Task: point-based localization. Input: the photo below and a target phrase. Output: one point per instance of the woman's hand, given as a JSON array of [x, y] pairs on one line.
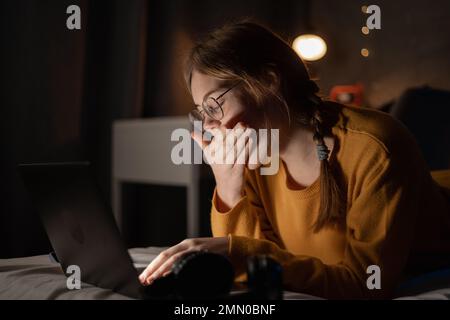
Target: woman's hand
[[163, 263], [229, 175]]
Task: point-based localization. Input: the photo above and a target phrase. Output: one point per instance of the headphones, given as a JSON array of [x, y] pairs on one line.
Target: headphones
[[205, 275]]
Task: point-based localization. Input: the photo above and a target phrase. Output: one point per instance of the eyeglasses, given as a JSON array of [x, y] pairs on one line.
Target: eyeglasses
[[211, 107]]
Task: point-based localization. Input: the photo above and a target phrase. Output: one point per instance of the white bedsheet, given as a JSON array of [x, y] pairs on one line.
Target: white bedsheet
[[38, 278]]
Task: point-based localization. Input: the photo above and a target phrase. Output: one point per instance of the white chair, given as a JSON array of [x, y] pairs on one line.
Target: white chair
[[141, 153]]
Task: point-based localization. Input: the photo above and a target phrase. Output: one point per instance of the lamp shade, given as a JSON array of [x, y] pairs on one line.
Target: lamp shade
[[310, 47]]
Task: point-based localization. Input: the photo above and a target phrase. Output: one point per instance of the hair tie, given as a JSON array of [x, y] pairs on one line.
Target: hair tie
[[322, 152]]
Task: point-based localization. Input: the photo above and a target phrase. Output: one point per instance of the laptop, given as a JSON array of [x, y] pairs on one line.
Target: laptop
[[80, 225]]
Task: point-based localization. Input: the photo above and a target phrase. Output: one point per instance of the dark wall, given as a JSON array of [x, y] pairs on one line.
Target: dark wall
[[42, 83], [60, 91], [175, 25], [411, 49]]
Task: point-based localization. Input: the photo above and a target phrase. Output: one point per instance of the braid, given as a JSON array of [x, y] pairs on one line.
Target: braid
[[322, 149], [330, 211]]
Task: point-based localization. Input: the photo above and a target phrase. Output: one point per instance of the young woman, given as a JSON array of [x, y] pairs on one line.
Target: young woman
[[352, 190]]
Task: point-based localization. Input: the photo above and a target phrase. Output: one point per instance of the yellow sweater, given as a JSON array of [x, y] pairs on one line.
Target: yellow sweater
[[397, 216]]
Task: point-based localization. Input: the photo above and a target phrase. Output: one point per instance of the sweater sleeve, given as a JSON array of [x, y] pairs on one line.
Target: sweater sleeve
[[247, 218], [379, 229]]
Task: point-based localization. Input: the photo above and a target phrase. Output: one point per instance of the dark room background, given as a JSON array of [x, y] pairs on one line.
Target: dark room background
[[62, 89]]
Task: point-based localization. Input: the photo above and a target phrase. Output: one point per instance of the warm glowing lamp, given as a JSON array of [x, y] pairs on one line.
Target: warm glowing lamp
[[310, 47]]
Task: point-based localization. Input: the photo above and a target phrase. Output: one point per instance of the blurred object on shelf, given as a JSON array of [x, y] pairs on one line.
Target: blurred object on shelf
[[348, 94]]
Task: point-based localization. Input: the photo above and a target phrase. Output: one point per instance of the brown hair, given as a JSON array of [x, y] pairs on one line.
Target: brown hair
[[250, 53]]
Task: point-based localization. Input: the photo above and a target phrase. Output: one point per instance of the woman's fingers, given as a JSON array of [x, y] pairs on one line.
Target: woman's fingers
[[198, 138], [244, 146], [166, 267], [166, 273], [226, 146], [146, 275], [162, 265], [231, 143], [254, 155], [215, 151]]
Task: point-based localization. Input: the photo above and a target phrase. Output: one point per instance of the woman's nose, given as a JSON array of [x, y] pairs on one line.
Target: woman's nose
[[210, 123]]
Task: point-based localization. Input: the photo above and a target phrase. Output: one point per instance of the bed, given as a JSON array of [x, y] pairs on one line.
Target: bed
[[38, 278]]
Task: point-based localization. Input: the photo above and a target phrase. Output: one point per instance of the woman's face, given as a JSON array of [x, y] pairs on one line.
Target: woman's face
[[234, 111]]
